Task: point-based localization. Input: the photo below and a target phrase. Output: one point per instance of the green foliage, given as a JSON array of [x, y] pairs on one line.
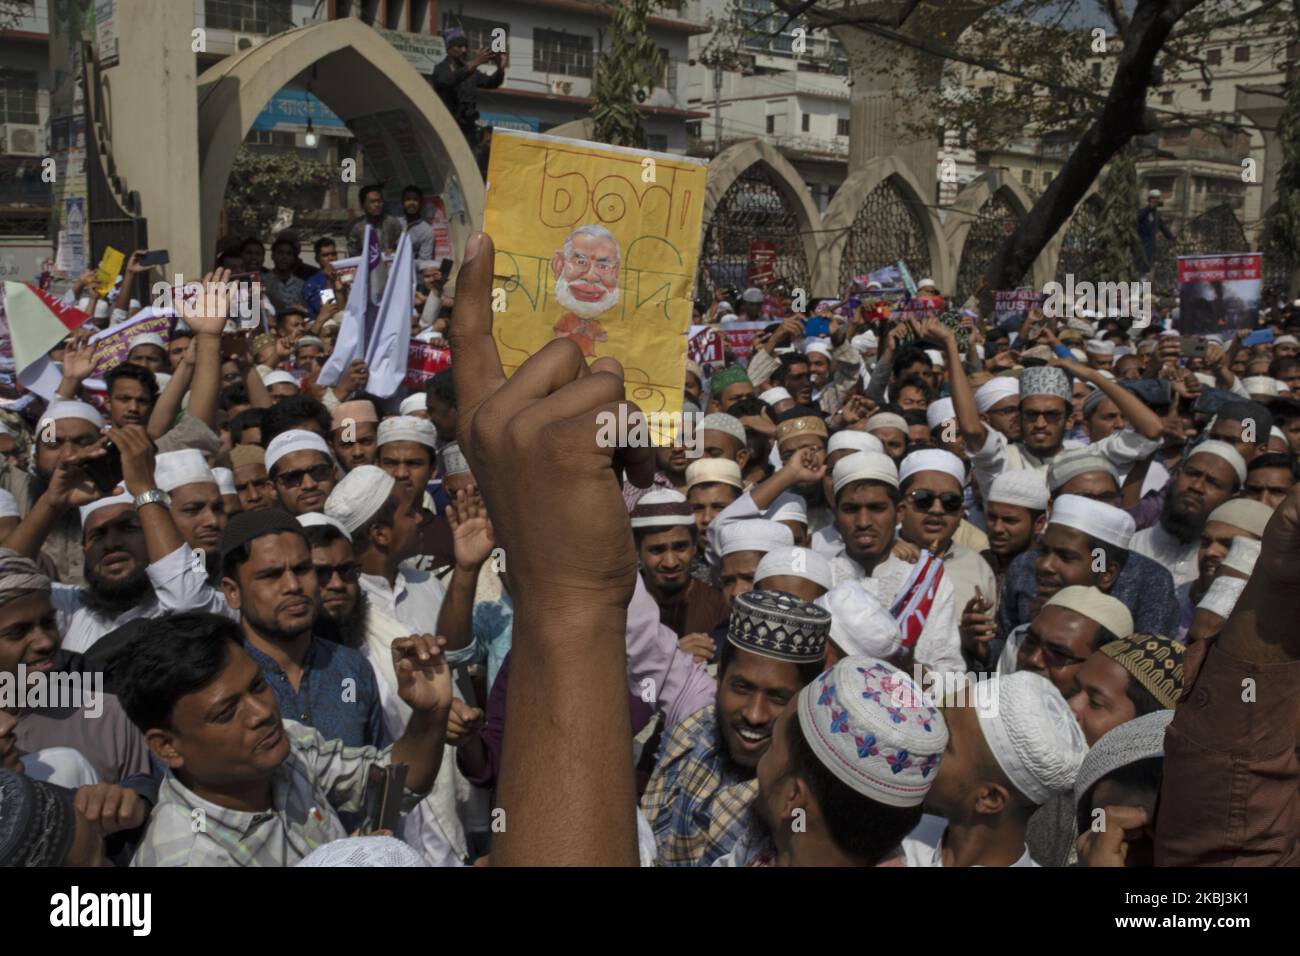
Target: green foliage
[[632, 64], [260, 183], [1117, 235], [1281, 239]]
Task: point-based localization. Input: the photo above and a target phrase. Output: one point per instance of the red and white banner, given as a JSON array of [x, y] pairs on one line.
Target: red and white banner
[[1221, 268], [912, 606]]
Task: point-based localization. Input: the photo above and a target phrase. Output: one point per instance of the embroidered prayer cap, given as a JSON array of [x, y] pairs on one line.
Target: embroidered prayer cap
[[1141, 738], [753, 534], [708, 470], [1222, 449], [780, 626], [1094, 518], [1095, 605], [19, 576], [887, 420], [308, 340], [248, 526], [725, 377], [294, 440], [1032, 733], [60, 409], [359, 496], [359, 412], [146, 338], [172, 469], [279, 377], [1020, 487], [788, 507], [871, 725], [855, 441], [314, 519], [242, 455], [1251, 516], [1045, 380], [1073, 462], [663, 508], [125, 498], [863, 466], [1095, 398], [794, 562], [722, 422], [407, 428], [452, 461], [859, 623], [37, 821], [369, 851], [995, 390], [414, 403], [802, 425], [225, 480], [774, 395], [932, 459], [1242, 555], [1260, 385], [939, 411], [1154, 661]]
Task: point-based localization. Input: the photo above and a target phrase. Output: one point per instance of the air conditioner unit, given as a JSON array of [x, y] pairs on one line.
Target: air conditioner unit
[[561, 87], [22, 139], [246, 41]]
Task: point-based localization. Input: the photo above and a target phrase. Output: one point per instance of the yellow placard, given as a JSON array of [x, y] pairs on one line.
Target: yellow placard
[[598, 244], [109, 267]]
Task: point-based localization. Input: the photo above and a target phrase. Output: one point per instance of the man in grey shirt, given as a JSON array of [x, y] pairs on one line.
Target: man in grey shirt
[[420, 231]]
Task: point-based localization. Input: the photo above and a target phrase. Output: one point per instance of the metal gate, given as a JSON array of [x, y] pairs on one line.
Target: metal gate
[[886, 229], [1081, 245], [752, 215], [994, 221], [1213, 231]]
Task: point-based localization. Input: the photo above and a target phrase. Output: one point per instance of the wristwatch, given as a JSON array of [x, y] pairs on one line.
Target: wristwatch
[[154, 496]]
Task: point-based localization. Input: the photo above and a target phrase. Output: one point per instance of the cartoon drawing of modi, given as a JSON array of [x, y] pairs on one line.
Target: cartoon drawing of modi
[[586, 284]]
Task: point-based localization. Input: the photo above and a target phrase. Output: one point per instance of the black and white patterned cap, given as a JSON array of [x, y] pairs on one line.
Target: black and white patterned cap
[[780, 626]]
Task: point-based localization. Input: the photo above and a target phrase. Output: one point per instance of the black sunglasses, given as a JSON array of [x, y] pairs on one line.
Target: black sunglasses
[[346, 572], [292, 479], [924, 500]]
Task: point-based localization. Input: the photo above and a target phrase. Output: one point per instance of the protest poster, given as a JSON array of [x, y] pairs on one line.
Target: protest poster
[[1012, 306], [704, 345], [114, 343], [762, 263], [110, 266], [1219, 292], [423, 361], [738, 338], [597, 244]]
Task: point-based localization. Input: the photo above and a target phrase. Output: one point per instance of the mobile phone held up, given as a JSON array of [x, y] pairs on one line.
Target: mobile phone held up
[[154, 257], [1195, 346], [105, 472]]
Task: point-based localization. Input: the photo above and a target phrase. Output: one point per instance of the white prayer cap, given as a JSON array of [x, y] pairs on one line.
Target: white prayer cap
[[1222, 594], [887, 420], [1111, 613], [940, 411], [1205, 379], [1155, 194], [1073, 462], [1260, 385], [994, 390], [359, 496], [1122, 350], [1286, 340], [101, 310], [866, 342], [774, 395], [296, 439], [1225, 451], [927, 283], [753, 534], [225, 480], [855, 440], [817, 345], [936, 357], [863, 466], [69, 409], [414, 403], [1032, 734], [162, 378], [172, 469], [383, 851], [314, 519], [278, 377], [932, 459], [407, 428], [722, 422], [1250, 516], [1171, 334], [788, 507], [1020, 487], [708, 470], [125, 498], [1095, 518], [859, 623], [724, 306], [146, 338], [751, 295], [1079, 355], [8, 505], [452, 461], [1099, 347], [795, 562]]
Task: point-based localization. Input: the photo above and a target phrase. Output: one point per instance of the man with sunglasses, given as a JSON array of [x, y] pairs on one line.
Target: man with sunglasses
[[1075, 622], [302, 470]]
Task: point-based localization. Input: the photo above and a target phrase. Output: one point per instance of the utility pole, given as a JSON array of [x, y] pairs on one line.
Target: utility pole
[[717, 106]]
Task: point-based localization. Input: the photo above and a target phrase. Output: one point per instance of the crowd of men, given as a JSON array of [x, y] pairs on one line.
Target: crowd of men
[[915, 591]]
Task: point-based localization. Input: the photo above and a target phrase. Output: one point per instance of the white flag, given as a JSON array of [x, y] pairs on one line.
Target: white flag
[[351, 341], [390, 342]]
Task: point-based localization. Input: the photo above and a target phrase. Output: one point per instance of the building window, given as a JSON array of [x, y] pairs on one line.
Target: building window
[[1027, 177], [657, 141], [1166, 98], [1205, 95], [1241, 54], [556, 52], [1047, 177], [668, 76], [247, 16], [478, 31], [771, 123], [841, 127], [18, 96], [271, 137], [806, 123], [1213, 57]]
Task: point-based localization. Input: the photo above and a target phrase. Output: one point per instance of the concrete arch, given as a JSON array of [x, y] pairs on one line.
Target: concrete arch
[[584, 128], [963, 212], [727, 167], [843, 211], [358, 74]]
